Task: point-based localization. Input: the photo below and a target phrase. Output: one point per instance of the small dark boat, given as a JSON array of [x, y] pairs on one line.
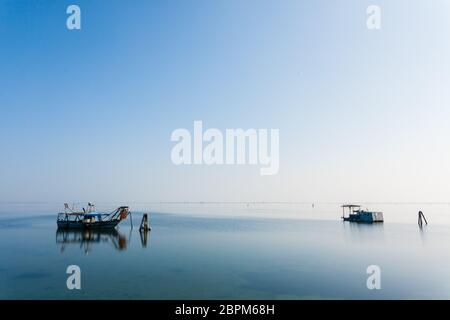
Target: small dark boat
[[90, 218], [355, 214]]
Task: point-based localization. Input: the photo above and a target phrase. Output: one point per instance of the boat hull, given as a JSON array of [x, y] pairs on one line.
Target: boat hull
[[87, 225], [361, 221], [365, 217]]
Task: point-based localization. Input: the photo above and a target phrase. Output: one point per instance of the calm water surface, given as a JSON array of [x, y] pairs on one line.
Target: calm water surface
[[219, 256]]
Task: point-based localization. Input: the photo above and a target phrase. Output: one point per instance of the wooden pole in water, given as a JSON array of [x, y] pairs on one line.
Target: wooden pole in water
[[131, 220], [144, 223], [422, 216]]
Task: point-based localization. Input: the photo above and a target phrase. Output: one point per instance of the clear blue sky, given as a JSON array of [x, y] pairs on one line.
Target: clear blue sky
[[87, 114]]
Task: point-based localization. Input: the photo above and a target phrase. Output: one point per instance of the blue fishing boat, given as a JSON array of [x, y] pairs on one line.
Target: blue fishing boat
[[89, 218]]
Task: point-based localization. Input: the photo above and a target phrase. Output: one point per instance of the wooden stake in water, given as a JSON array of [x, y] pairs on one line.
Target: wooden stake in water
[[144, 223], [420, 218]]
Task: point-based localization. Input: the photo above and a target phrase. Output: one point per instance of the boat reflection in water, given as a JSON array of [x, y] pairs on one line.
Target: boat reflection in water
[[88, 238]]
